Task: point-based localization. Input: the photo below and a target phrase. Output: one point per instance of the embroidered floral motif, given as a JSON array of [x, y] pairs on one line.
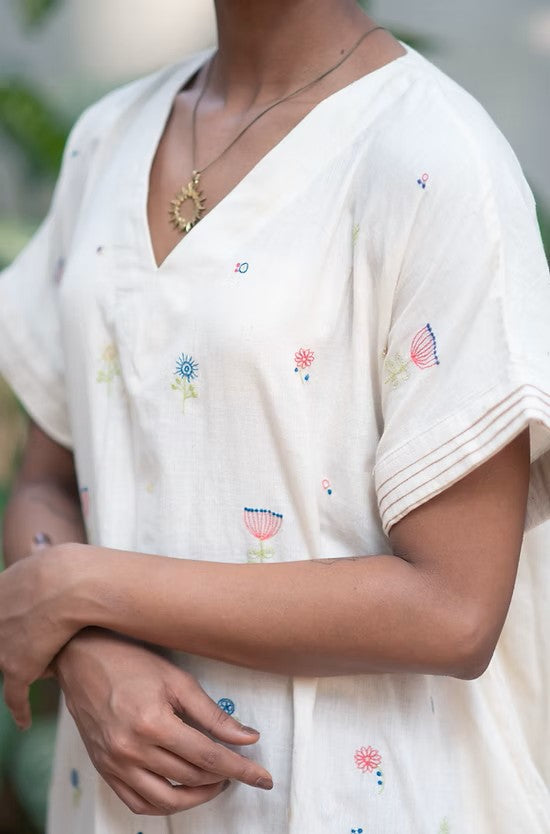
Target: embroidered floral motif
[[241, 267], [423, 180], [444, 827], [186, 370], [368, 759], [396, 370], [85, 501], [423, 353], [263, 524], [227, 705], [303, 358], [424, 348], [355, 233], [325, 483], [110, 367], [75, 782]]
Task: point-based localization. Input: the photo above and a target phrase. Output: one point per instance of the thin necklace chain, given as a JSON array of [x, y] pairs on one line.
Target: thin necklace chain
[[271, 106], [192, 191]]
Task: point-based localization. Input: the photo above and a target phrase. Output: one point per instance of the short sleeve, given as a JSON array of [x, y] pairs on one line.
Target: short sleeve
[[466, 364], [31, 351]]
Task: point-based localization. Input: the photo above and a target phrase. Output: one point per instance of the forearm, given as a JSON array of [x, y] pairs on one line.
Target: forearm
[[319, 617], [40, 506]]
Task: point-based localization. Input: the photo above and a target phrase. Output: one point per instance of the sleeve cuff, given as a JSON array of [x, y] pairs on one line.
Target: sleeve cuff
[[427, 464]]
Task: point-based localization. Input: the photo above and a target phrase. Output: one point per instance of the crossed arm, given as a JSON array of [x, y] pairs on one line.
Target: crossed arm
[[436, 605]]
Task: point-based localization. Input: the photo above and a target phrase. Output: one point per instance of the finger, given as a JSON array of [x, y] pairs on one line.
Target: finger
[[170, 799], [136, 803], [193, 746], [196, 704], [16, 696], [165, 764]]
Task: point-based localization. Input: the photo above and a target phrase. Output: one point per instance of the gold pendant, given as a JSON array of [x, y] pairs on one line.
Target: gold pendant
[[190, 192]]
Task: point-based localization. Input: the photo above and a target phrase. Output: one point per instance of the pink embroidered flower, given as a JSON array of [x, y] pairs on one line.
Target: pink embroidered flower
[[304, 357], [423, 350], [263, 524], [367, 759], [85, 501]]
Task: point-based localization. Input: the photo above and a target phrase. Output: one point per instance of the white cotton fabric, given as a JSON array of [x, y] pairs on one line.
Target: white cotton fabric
[[362, 321]]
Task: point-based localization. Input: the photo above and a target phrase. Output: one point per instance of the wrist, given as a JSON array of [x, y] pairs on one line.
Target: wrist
[[74, 650], [75, 570]]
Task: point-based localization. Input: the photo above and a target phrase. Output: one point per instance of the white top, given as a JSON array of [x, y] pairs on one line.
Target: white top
[[354, 327]]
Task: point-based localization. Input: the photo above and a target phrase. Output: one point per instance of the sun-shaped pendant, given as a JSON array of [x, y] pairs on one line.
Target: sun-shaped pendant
[[190, 192]]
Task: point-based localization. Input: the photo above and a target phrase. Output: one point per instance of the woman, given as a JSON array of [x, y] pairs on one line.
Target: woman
[[315, 373]]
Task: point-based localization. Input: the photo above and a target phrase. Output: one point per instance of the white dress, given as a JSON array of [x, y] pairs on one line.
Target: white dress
[[357, 325]]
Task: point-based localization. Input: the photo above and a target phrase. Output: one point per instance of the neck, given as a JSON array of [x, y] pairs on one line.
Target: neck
[[267, 47]]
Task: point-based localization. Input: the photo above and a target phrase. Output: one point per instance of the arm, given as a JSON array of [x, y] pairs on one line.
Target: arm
[[436, 606], [44, 498], [126, 701]]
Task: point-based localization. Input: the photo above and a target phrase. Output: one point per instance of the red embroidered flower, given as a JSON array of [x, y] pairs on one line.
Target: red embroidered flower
[[367, 758], [304, 357]]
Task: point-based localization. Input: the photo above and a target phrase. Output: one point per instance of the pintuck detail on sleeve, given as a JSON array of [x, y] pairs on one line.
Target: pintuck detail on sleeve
[[467, 365]]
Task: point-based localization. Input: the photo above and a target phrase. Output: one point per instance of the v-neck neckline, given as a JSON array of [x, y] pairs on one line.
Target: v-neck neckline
[[183, 73]]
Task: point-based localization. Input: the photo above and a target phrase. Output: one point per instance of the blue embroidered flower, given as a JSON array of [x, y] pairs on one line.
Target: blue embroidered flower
[[186, 367], [227, 705], [186, 370]]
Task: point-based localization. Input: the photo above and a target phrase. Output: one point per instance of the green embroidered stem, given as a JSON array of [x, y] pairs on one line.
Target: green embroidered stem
[[184, 396], [260, 554], [108, 373], [186, 389]]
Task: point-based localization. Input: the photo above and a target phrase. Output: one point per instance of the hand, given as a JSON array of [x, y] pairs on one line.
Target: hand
[[125, 701], [33, 622]]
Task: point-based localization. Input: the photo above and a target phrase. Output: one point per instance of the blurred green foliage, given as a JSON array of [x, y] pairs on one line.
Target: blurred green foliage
[[31, 123], [33, 12]]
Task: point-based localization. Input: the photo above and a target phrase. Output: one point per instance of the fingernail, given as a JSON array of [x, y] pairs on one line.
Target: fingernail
[[264, 783], [250, 730], [225, 785], [41, 538]]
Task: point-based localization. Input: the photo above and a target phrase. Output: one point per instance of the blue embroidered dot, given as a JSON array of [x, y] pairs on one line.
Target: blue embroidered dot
[[74, 778], [329, 491], [378, 773], [379, 782], [259, 510], [227, 705]]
